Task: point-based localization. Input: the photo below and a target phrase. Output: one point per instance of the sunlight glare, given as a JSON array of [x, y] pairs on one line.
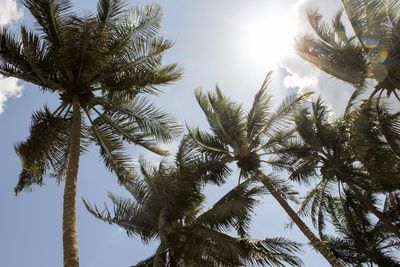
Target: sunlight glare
[[265, 39]]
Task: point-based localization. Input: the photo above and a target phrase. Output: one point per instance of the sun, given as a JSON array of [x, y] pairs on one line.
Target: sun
[[267, 37]]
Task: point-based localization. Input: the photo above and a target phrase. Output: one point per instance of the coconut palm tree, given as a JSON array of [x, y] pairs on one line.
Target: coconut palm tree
[[97, 64], [361, 241], [375, 139], [368, 50], [324, 150], [168, 204], [248, 139]]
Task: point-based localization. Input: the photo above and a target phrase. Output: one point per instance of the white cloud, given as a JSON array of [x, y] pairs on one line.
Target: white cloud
[[9, 87], [9, 11], [304, 84]]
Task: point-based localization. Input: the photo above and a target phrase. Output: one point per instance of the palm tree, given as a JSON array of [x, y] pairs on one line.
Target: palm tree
[[168, 204], [97, 64], [375, 139], [248, 138], [360, 240], [369, 50], [325, 150]]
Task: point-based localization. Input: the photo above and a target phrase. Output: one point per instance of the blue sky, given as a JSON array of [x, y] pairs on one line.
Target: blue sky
[[224, 42]]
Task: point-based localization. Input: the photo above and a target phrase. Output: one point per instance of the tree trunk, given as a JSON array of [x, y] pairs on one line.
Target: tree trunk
[[70, 239], [315, 241], [368, 205]]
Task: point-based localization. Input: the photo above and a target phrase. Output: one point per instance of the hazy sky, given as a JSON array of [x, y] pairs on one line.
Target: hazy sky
[[231, 43]]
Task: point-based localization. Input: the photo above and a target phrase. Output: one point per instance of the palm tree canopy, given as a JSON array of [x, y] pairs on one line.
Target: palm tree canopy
[[375, 139], [244, 137], [354, 144], [360, 240], [105, 59], [342, 152], [168, 204], [370, 49]]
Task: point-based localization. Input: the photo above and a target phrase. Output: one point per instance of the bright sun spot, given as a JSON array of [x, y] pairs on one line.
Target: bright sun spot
[[265, 39]]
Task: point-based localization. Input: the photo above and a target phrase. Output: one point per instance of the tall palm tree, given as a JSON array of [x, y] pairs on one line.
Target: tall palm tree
[[248, 138], [97, 64], [168, 204], [369, 50], [361, 240], [324, 150]]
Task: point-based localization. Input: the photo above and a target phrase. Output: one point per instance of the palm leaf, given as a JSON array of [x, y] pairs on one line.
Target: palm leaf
[[42, 149]]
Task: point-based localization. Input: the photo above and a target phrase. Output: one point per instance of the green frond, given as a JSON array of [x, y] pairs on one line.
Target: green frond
[[345, 63], [50, 16], [322, 29], [281, 118], [281, 186], [143, 53], [39, 60], [191, 161], [223, 250], [369, 20], [229, 121], [13, 59], [234, 209], [145, 20], [339, 28], [297, 158], [217, 247], [150, 120], [208, 143], [127, 215], [375, 140], [359, 239], [111, 149], [110, 9], [273, 252], [275, 141], [42, 149], [226, 118], [312, 203], [260, 108]]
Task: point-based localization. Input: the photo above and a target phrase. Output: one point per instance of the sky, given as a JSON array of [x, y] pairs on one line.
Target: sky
[[231, 43]]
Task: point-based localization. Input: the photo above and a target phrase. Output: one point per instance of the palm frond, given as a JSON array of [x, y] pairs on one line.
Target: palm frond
[[273, 252], [127, 215], [51, 17], [111, 150], [260, 108], [149, 119], [208, 142], [42, 149], [281, 118], [190, 161], [234, 209], [226, 118], [109, 9]]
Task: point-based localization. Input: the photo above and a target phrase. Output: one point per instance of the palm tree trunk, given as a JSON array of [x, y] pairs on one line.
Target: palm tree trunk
[[368, 205], [70, 240], [315, 241]]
